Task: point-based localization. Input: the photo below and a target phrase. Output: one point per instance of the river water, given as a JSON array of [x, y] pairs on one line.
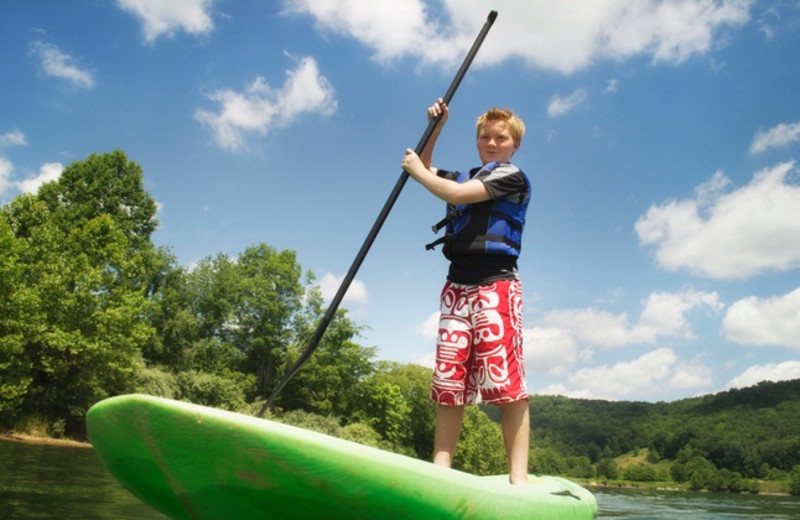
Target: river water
[[66, 483]]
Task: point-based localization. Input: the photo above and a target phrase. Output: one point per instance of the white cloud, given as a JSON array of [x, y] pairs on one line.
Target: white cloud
[[627, 379], [567, 338], [663, 315], [391, 30], [770, 372], [259, 108], [550, 350], [48, 172], [767, 21], [693, 374], [61, 65], [591, 326], [780, 136], [15, 138], [428, 360], [330, 283], [550, 35], [166, 18], [611, 86], [560, 389], [647, 376], [5, 174], [430, 327], [559, 106], [751, 230], [765, 322]]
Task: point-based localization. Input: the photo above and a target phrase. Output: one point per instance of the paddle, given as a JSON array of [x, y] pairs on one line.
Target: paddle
[[376, 227]]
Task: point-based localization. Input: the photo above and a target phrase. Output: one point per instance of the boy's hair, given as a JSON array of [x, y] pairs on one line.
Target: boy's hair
[[515, 125]]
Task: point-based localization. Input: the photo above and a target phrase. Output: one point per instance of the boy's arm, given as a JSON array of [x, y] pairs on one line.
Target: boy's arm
[[450, 191], [440, 107], [419, 167]]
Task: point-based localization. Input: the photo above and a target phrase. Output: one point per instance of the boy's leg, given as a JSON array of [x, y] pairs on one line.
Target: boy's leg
[[448, 429], [515, 423]]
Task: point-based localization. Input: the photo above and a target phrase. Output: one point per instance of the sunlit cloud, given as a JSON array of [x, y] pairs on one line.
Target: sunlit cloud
[[14, 138], [729, 235], [762, 322], [6, 167], [160, 18], [48, 172], [329, 285], [663, 315], [780, 136], [548, 35], [59, 64], [559, 105], [259, 107], [785, 371]]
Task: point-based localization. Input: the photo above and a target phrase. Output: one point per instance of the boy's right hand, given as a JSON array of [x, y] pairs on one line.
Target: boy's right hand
[[440, 107]]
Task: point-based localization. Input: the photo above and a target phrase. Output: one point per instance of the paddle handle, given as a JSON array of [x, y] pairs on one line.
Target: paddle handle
[[376, 227]]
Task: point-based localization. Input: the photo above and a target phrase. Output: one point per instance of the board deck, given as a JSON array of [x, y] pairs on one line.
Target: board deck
[[194, 462]]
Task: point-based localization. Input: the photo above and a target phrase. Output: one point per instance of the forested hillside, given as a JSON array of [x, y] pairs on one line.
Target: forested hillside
[[724, 441], [741, 430]]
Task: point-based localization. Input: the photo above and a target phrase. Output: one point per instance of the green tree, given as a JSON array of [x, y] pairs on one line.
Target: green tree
[[580, 467], [547, 461], [607, 468], [731, 481], [268, 297], [213, 297], [386, 410], [640, 472], [82, 261], [329, 381], [652, 455], [480, 449], [17, 304], [395, 400], [217, 390], [175, 318], [679, 472], [794, 480], [703, 474], [107, 184], [85, 329]]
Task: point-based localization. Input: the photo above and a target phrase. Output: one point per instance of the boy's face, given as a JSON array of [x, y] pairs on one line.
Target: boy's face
[[495, 142]]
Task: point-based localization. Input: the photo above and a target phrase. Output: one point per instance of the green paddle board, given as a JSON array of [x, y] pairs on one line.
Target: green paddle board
[[191, 461]]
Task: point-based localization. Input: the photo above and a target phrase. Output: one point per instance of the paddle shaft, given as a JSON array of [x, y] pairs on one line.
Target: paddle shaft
[[376, 227]]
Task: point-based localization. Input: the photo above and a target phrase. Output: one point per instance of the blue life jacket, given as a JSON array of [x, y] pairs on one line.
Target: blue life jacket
[[490, 227]]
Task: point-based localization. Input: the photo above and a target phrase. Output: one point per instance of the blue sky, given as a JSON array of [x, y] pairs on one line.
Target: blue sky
[[662, 251]]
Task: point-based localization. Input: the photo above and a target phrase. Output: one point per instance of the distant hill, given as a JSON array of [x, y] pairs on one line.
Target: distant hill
[[745, 430]]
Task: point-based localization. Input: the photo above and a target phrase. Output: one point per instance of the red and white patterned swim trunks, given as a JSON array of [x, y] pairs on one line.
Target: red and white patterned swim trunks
[[479, 347]]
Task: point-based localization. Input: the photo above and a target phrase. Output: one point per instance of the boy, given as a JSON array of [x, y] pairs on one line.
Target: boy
[[479, 347]]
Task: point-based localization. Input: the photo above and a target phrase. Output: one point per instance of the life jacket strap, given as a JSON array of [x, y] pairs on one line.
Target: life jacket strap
[[498, 238], [435, 243], [488, 237], [452, 216]]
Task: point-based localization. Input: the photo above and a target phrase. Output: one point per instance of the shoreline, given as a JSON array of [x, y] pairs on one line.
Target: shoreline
[[629, 485], [47, 441]]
